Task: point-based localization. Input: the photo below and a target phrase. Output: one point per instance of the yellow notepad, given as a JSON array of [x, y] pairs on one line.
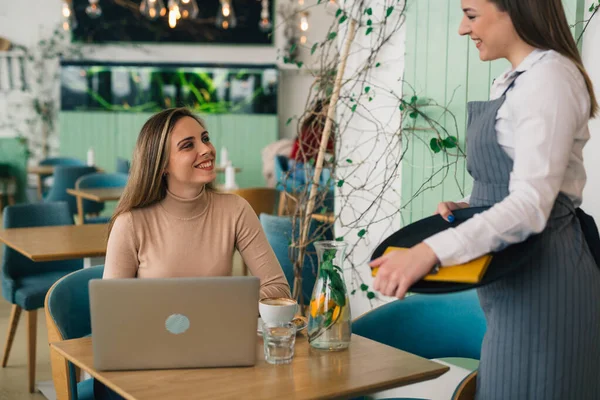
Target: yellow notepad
[[470, 272]]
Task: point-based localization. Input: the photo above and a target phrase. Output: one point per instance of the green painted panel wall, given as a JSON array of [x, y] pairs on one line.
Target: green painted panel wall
[[444, 67], [114, 135], [14, 153]]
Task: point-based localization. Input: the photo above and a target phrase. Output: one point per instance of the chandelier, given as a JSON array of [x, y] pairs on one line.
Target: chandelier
[[174, 11]]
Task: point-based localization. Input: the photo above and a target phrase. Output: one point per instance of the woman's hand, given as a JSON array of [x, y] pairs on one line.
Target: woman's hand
[[445, 209], [400, 269]]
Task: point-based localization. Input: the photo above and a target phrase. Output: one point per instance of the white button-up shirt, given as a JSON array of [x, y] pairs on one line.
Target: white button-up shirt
[[542, 126]]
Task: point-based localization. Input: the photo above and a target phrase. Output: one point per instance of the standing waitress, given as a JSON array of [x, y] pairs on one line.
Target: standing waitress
[[525, 155]]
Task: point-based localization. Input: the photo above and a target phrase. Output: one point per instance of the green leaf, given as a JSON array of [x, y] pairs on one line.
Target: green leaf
[[592, 8], [311, 162], [286, 60], [413, 99], [450, 142], [364, 287], [288, 121], [336, 281], [323, 210], [339, 239], [349, 161], [434, 144], [352, 292], [293, 48], [370, 99], [389, 11], [338, 12], [299, 64], [369, 22], [377, 65], [369, 30], [313, 48], [369, 11], [362, 232], [370, 295], [332, 35], [340, 183], [343, 19], [413, 115], [367, 89], [339, 297], [354, 108], [401, 107]]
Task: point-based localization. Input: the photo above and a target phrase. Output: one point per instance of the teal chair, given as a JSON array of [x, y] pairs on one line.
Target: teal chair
[[54, 161], [123, 166], [65, 178], [67, 309], [279, 235], [25, 282], [431, 326], [96, 181]]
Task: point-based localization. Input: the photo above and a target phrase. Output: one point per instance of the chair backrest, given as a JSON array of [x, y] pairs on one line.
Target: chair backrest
[[99, 180], [262, 200], [66, 161], [65, 178], [430, 326], [279, 234], [281, 171], [67, 309], [16, 266], [123, 165]]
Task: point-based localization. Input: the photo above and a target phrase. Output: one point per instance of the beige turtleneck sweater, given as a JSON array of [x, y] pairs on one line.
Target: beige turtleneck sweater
[[184, 238]]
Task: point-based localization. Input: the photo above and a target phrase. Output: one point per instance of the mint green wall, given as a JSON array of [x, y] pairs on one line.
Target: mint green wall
[[14, 153], [444, 66], [114, 135]]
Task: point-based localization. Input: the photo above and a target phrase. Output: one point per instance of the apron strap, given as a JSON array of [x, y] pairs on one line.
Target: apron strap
[[512, 83]]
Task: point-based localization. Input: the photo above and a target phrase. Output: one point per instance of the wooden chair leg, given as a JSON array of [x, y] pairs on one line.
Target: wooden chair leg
[[15, 313], [282, 205], [31, 342]]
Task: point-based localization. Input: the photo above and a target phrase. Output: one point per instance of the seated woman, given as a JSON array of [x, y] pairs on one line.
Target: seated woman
[[171, 222], [306, 146]]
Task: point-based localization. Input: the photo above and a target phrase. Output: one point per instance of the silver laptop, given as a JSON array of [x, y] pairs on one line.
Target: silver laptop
[[174, 322]]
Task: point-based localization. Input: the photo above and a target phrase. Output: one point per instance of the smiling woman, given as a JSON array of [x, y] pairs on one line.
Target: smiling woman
[[171, 223]]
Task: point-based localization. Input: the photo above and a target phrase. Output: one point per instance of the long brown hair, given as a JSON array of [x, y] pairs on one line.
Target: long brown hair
[[543, 24], [147, 184]]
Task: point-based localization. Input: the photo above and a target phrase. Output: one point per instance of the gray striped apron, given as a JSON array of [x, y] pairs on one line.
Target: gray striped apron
[[543, 321]]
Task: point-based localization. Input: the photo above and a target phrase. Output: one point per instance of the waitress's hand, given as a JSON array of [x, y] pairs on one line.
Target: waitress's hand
[[400, 269], [445, 209]]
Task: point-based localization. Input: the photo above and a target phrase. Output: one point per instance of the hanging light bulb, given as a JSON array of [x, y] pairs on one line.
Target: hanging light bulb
[[300, 2], [93, 10], [188, 8], [174, 13], [304, 22], [303, 39], [265, 24], [152, 9], [68, 17], [226, 18]]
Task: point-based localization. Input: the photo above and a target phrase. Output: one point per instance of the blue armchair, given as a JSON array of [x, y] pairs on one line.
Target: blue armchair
[[99, 180], [430, 326], [65, 178], [123, 165], [54, 161], [25, 282], [279, 234], [67, 309]]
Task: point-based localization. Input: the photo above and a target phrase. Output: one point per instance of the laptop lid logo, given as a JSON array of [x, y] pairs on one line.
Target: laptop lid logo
[[177, 323]]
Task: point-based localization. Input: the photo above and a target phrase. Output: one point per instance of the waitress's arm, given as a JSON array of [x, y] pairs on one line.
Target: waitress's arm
[[551, 107]]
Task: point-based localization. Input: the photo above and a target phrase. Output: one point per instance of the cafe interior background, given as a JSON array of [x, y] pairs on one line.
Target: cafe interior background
[[82, 77]]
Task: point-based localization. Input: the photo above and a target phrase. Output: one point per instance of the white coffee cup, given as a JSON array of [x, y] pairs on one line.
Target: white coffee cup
[[277, 310]]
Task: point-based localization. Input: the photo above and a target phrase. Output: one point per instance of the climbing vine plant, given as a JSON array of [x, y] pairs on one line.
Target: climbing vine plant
[[377, 159]]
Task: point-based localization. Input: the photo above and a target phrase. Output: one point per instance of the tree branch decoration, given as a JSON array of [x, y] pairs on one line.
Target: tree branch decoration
[[350, 95]]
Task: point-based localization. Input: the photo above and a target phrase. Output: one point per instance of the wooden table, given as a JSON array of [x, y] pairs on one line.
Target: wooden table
[[98, 194], [51, 243], [364, 368]]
